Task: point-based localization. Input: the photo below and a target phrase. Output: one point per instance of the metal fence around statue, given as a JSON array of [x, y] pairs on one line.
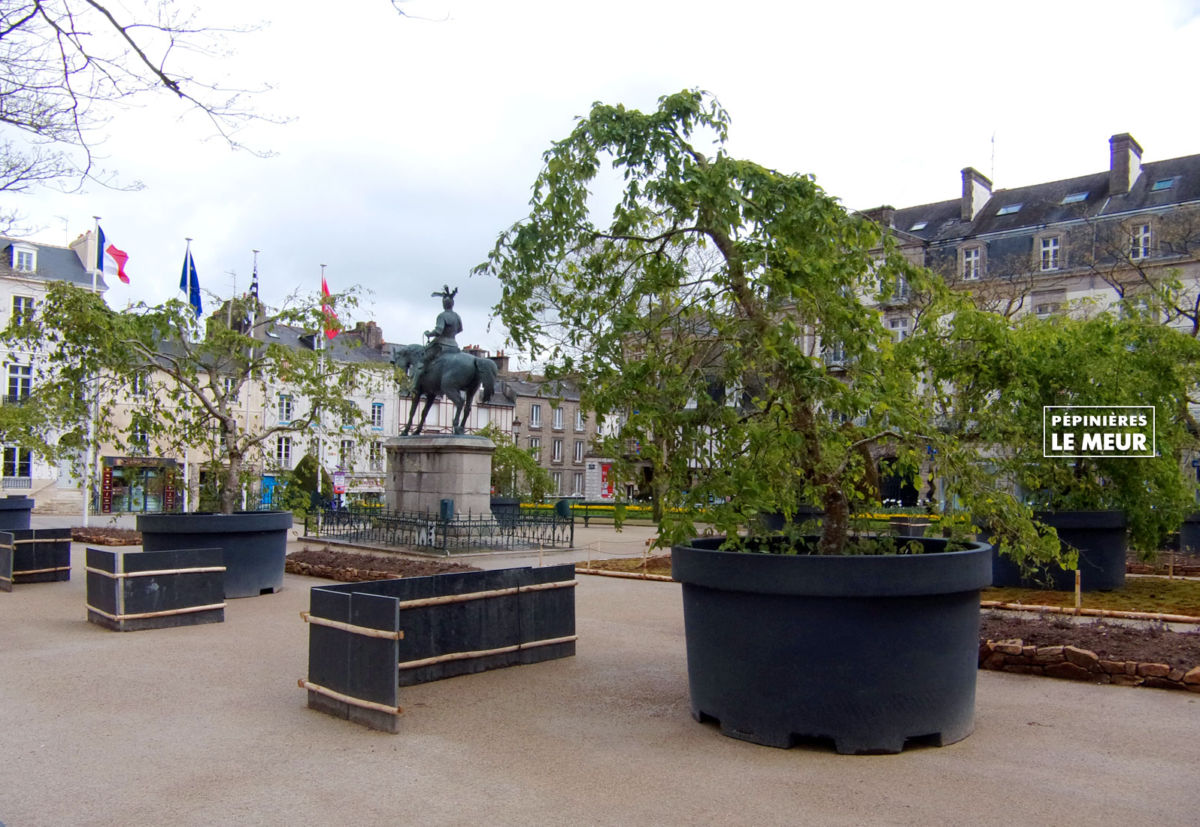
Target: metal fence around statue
[[430, 533]]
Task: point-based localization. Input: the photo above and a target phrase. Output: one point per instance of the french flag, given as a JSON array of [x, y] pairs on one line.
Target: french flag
[[109, 259]]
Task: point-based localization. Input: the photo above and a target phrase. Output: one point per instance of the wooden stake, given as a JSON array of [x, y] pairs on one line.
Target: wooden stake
[[121, 575], [1078, 591]]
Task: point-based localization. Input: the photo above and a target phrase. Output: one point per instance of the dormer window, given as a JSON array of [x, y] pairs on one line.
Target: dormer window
[[24, 257], [1162, 184], [1009, 209], [920, 225]]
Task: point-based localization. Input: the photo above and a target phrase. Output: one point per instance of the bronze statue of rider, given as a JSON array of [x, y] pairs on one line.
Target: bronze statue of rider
[[442, 337]]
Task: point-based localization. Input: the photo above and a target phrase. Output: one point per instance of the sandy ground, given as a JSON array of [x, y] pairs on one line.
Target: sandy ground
[[205, 725]]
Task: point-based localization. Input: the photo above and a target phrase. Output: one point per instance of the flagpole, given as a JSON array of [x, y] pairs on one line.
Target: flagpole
[[91, 409]]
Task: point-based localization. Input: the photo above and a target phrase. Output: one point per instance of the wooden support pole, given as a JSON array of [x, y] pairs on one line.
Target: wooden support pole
[[41, 571], [121, 575], [1078, 590], [164, 613], [365, 631], [502, 650], [347, 699]]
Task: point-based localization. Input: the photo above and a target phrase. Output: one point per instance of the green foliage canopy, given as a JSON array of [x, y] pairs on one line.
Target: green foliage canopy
[[706, 309]]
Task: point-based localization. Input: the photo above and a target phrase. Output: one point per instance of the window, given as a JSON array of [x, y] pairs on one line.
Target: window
[[377, 415], [1074, 198], [139, 442], [20, 382], [1162, 184], [535, 416], [556, 450], [920, 225], [558, 419], [1139, 242], [285, 408], [346, 453], [283, 451], [971, 260], [899, 328], [535, 448], [1009, 209], [140, 385], [579, 450], [579, 420], [375, 456], [22, 309], [835, 355], [24, 258], [577, 484], [231, 388], [18, 462], [556, 480], [1050, 248], [1049, 302]]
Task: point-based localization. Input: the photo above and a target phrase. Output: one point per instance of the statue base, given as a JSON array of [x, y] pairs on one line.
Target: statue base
[[425, 469]]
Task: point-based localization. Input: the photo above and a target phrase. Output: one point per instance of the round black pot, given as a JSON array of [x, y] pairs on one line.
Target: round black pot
[[1099, 536], [14, 512], [1189, 534], [869, 651], [254, 544]]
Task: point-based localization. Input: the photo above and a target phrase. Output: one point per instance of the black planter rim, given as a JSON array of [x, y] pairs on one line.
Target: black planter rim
[[886, 575], [16, 502], [1098, 519], [214, 522]]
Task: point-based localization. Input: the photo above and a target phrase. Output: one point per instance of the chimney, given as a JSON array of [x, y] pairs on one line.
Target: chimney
[[1125, 165], [883, 216], [370, 333], [976, 190], [501, 362]]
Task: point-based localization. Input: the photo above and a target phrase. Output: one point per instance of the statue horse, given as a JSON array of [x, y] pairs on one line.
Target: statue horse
[[456, 375]]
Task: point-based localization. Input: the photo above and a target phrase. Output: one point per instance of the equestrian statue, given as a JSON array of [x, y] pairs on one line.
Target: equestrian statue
[[440, 368]]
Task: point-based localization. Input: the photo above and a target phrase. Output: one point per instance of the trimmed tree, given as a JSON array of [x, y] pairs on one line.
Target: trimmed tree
[[729, 313], [179, 377]]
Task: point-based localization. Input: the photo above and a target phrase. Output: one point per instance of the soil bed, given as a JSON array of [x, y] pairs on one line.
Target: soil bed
[[1146, 643], [106, 536], [350, 567]]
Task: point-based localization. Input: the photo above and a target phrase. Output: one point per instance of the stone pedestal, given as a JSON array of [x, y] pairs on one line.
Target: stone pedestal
[[423, 470]]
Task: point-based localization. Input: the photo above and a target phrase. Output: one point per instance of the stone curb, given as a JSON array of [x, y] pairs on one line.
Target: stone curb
[[1073, 663]]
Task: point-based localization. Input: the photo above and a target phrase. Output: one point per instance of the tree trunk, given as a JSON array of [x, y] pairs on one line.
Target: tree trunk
[[229, 484]]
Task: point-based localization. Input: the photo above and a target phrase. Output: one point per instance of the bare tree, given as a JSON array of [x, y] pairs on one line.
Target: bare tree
[[65, 66]]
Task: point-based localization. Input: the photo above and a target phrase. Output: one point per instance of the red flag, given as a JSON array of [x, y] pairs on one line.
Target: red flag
[[327, 310], [119, 257]]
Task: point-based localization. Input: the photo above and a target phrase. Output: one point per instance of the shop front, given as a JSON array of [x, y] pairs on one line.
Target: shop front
[[139, 485]]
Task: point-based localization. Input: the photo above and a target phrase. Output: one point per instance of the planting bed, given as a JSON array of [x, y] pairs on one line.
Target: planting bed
[[351, 567]]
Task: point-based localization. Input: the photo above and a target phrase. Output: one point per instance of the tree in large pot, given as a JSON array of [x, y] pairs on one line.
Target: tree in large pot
[[163, 379], [727, 319], [1002, 388]]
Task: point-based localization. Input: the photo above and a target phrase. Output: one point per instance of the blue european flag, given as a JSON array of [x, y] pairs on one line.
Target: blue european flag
[[189, 283]]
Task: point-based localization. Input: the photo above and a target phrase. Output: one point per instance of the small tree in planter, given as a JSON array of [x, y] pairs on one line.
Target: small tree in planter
[[181, 378], [731, 312], [1000, 383]]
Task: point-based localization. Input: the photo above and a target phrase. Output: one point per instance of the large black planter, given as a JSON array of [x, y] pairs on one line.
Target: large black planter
[[14, 512], [1189, 534], [1099, 536], [253, 543], [869, 651]]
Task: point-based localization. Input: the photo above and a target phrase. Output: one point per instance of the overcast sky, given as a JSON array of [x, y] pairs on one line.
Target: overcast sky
[[413, 141]]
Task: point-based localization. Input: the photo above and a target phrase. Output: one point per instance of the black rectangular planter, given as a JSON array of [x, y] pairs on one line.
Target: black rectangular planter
[[368, 639], [134, 590], [34, 555]]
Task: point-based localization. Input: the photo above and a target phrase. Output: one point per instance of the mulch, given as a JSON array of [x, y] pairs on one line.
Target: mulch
[[351, 567], [106, 536]]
